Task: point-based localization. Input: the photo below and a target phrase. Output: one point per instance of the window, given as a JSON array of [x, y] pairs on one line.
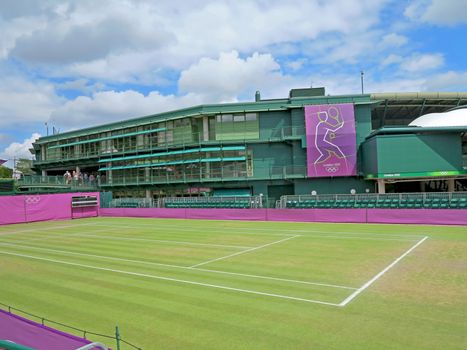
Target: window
[[239, 118], [226, 118], [250, 117]]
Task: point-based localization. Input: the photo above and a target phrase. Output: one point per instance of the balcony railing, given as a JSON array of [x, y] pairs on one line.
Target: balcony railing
[[205, 175], [195, 139], [56, 182]]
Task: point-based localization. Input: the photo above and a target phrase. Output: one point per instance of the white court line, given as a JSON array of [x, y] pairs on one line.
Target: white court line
[[172, 279], [159, 240], [8, 233], [386, 269], [287, 230], [311, 233], [176, 266], [243, 251], [57, 235]]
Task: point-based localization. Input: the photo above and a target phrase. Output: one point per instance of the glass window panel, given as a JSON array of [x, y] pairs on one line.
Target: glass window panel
[[250, 117]]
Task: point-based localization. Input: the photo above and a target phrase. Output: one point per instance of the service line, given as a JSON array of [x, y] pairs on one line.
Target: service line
[[243, 251], [381, 273], [171, 279]]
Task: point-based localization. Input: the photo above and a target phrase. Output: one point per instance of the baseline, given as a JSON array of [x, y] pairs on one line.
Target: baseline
[[315, 233]]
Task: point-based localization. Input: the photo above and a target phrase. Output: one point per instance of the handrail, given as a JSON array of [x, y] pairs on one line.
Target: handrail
[[85, 333], [92, 346], [424, 198]]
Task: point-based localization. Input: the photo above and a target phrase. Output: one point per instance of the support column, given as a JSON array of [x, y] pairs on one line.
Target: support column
[[44, 172], [451, 185], [109, 174], [148, 194], [422, 186], [147, 175], [381, 186], [205, 128]]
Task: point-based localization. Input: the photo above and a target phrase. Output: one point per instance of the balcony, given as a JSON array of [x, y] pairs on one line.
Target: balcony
[[213, 174], [191, 140], [38, 183]]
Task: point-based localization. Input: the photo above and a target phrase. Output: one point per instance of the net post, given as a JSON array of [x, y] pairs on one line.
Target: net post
[[117, 337]]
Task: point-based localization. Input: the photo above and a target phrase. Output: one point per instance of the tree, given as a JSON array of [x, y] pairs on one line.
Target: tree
[[5, 173], [25, 166]]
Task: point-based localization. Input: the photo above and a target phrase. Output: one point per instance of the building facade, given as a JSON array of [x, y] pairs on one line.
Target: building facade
[[306, 143]]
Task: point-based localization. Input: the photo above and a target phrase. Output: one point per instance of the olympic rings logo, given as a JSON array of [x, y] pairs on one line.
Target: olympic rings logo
[[332, 169], [32, 199]]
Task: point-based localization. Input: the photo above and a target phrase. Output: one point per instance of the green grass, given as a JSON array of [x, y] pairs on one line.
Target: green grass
[[96, 273]]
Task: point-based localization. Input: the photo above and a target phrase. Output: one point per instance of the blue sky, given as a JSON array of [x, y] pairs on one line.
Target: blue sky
[[75, 64]]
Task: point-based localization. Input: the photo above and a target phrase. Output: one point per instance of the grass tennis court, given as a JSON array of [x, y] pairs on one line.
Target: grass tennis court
[[195, 284]]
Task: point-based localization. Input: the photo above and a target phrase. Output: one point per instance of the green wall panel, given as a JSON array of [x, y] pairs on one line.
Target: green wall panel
[[338, 185], [419, 153]]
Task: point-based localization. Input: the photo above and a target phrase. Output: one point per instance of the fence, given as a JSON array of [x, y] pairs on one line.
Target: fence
[[33, 329], [238, 202], [58, 182], [429, 200]]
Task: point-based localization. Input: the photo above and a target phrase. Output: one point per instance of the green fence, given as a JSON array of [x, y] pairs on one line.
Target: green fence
[[238, 202], [430, 200]]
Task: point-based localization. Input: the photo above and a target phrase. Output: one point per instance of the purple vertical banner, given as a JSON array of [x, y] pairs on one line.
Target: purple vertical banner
[[331, 140]]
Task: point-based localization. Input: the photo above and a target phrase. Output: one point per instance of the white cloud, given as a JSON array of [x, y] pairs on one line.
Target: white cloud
[[391, 59], [296, 64], [447, 81], [134, 40], [110, 106], [230, 76], [440, 12], [23, 101], [394, 40], [423, 62], [19, 149]]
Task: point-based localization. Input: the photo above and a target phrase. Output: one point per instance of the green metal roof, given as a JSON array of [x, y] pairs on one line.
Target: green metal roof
[[415, 129], [212, 109]]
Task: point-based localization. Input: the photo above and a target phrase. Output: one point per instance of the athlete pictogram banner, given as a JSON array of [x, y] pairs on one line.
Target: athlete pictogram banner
[[331, 140]]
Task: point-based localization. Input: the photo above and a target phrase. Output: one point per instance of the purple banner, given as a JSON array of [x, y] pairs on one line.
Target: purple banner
[[331, 141], [41, 207], [389, 216], [26, 332]]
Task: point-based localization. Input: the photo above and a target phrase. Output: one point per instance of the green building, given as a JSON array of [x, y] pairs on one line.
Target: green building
[[260, 148]]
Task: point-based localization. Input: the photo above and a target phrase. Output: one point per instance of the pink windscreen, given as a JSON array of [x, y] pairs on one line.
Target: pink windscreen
[[41, 207]]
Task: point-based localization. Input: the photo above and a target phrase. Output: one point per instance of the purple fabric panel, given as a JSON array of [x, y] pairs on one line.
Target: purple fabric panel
[[26, 332], [418, 216], [393, 216], [331, 140], [227, 214], [26, 208], [11, 210], [163, 213], [318, 215], [50, 206]]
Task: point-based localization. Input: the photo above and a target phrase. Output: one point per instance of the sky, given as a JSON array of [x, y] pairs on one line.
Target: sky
[[79, 63]]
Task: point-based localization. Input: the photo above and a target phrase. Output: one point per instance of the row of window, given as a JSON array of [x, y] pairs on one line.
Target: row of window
[[174, 132]]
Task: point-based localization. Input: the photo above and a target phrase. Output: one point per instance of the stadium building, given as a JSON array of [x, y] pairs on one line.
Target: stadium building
[[307, 143]]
